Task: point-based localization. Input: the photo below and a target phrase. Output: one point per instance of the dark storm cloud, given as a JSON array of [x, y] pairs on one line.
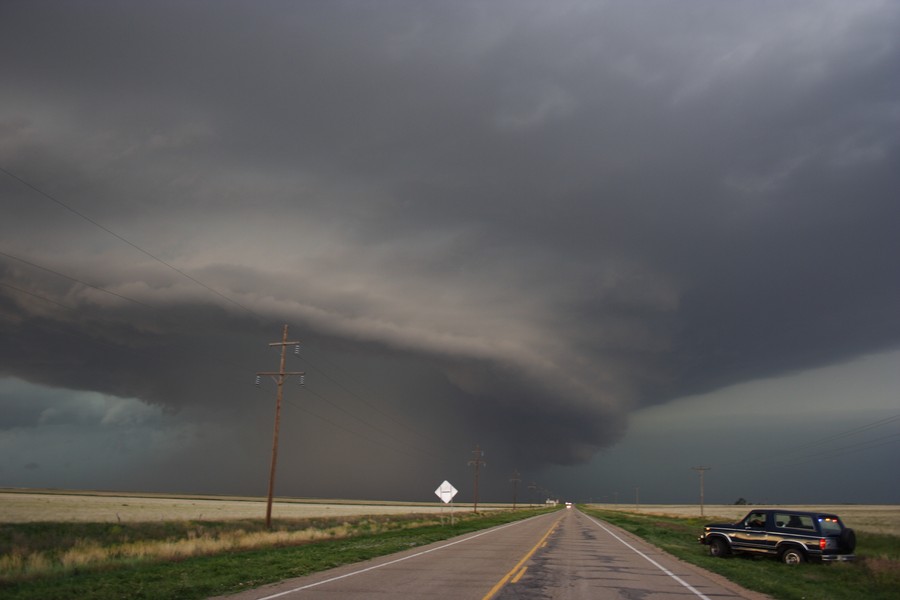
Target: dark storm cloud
[[553, 212]]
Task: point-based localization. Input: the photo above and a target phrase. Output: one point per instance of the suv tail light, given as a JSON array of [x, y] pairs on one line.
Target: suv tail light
[[822, 543]]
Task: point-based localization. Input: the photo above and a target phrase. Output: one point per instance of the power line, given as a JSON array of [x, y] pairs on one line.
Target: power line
[[121, 238], [236, 366], [84, 283], [366, 423], [75, 309], [38, 296], [363, 401], [125, 240], [849, 432], [307, 410], [355, 417], [818, 442], [836, 452], [288, 401], [357, 434]]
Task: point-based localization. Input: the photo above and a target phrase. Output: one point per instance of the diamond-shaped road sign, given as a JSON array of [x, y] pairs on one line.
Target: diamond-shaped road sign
[[445, 492]]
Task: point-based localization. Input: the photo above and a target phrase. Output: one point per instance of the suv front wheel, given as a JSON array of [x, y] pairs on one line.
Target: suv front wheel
[[719, 548], [793, 556]]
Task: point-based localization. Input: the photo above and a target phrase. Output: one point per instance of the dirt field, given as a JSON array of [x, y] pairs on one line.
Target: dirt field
[[864, 517], [22, 507]]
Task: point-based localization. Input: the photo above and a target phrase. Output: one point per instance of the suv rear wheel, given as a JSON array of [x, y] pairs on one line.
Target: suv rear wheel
[[793, 556]]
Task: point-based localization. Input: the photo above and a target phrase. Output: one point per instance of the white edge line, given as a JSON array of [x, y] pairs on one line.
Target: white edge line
[[397, 560], [659, 566]]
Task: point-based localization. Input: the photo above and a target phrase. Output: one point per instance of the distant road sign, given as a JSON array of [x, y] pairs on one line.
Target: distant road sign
[[445, 492]]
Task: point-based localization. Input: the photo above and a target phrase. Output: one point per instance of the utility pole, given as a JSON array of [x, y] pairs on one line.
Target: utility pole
[[477, 461], [515, 481], [701, 471], [279, 378], [637, 497], [532, 488]]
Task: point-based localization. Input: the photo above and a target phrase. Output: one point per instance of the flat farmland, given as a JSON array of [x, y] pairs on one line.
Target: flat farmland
[[103, 507], [874, 518], [20, 506]]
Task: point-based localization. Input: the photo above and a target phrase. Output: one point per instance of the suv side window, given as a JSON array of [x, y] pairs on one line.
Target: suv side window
[[756, 520], [794, 521]]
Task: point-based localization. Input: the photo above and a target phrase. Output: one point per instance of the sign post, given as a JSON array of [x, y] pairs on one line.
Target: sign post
[[445, 492]]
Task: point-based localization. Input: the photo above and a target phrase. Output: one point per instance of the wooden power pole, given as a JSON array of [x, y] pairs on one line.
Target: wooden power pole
[[515, 479], [279, 377], [701, 470], [477, 461]]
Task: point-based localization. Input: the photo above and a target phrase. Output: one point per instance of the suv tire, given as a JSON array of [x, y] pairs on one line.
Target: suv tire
[[792, 556], [719, 548]]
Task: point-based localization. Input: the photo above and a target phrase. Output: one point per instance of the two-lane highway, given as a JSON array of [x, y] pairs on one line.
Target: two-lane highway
[[587, 558], [565, 554]]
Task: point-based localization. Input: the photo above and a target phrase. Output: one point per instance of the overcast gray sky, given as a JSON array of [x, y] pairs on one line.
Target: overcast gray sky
[[606, 241]]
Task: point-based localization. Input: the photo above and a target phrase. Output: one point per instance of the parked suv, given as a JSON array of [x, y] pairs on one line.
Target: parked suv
[[793, 536]]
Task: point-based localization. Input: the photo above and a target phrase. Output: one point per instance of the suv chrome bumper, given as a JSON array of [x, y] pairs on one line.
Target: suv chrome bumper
[[838, 557]]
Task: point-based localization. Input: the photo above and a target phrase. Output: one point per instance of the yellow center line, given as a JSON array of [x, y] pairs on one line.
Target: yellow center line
[[499, 585]]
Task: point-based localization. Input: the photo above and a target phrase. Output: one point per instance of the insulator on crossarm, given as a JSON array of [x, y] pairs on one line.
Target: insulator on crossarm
[[303, 380], [297, 350], [257, 381]]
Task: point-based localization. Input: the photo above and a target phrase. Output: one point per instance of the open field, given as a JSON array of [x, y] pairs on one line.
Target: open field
[[101, 507], [873, 518]]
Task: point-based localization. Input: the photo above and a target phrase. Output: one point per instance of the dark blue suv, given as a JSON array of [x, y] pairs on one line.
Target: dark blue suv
[[793, 536]]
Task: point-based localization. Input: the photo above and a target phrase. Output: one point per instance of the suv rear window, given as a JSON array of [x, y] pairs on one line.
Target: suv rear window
[[830, 525]]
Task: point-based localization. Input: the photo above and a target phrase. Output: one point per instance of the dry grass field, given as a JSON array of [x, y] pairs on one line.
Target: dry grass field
[[19, 506], [47, 533], [99, 507], [863, 517]]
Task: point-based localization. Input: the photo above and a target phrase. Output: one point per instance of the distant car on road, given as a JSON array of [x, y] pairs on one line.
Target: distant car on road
[[793, 536]]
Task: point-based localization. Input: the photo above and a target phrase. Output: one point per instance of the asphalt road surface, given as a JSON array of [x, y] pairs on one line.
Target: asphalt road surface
[[565, 554]]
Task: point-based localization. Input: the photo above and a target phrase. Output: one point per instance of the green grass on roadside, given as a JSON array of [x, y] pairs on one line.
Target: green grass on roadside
[[874, 576], [216, 574]]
